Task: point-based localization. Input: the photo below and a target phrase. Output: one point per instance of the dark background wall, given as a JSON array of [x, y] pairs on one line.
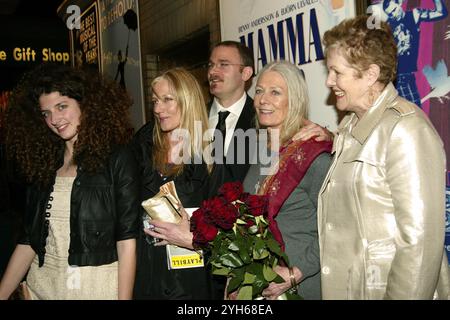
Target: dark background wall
[[23, 24], [28, 23]]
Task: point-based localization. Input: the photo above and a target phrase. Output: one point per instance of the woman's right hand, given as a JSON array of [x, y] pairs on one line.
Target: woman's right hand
[[274, 290]]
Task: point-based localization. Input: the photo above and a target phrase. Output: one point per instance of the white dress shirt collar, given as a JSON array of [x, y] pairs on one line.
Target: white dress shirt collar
[[236, 108], [232, 119]]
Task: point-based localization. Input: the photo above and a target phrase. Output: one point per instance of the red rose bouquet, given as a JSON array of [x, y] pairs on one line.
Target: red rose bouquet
[[233, 228]]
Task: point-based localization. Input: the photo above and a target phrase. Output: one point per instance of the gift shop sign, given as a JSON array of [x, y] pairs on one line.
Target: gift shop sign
[[25, 54]]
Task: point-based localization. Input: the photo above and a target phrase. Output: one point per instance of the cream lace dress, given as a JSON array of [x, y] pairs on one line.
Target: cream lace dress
[[56, 280]]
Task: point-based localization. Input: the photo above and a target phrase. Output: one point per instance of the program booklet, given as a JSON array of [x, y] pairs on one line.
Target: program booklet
[[182, 258]]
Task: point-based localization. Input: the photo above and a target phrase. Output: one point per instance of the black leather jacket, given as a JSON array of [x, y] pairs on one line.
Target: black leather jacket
[[104, 209]]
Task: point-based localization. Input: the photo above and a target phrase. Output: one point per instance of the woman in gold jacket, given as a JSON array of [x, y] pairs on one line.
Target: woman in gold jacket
[[381, 208]]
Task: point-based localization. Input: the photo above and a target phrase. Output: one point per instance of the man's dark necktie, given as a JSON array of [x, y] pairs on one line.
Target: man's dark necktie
[[222, 128]]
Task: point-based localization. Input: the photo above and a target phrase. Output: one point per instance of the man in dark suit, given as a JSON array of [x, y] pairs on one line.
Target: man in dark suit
[[232, 114], [230, 69]]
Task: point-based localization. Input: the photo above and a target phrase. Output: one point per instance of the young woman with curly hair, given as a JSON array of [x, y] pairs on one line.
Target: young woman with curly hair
[[67, 130]]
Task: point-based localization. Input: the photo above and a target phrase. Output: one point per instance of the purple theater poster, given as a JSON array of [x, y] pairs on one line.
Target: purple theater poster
[[422, 31]]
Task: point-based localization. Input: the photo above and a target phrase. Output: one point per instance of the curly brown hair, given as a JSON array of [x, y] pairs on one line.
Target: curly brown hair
[[104, 121], [363, 46]]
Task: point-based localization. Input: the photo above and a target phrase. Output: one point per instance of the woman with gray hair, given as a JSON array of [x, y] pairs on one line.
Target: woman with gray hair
[[381, 207], [281, 102]]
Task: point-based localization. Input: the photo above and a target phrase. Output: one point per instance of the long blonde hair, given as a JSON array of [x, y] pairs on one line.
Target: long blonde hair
[[190, 101]]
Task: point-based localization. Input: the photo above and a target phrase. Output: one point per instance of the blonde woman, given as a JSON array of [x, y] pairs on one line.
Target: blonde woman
[[170, 149]]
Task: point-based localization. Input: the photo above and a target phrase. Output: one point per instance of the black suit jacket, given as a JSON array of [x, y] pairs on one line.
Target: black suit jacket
[[232, 170]]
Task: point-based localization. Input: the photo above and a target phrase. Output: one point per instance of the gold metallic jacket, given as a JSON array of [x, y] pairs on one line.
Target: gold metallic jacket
[[381, 207]]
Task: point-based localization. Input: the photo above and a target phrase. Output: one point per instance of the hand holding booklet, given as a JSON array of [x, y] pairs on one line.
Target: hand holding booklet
[[165, 206]]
